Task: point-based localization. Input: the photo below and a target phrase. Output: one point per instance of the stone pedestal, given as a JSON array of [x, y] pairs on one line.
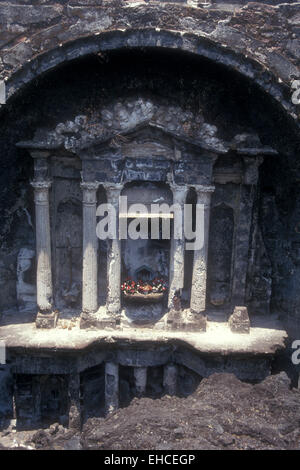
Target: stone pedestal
[[176, 274], [239, 321], [46, 318], [173, 320], [170, 379], [111, 387], [195, 322], [140, 377], [74, 401], [198, 292]]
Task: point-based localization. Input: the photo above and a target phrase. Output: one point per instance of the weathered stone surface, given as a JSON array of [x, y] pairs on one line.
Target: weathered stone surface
[[46, 320], [239, 320], [195, 322], [98, 321]]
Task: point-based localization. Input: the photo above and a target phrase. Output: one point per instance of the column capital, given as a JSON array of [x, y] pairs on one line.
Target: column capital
[[113, 191], [179, 192], [251, 169], [41, 191], [89, 189], [39, 153], [201, 188], [43, 185], [203, 194], [89, 185]]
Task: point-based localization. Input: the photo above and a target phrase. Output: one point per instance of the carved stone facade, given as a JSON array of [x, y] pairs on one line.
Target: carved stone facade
[[151, 153], [164, 103]]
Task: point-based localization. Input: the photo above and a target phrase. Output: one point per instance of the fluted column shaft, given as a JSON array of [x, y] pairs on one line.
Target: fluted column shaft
[[90, 247], [113, 301], [176, 270], [198, 291], [43, 246]]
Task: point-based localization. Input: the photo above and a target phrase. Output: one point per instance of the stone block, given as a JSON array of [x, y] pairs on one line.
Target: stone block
[[46, 320], [92, 320], [239, 320], [173, 320]]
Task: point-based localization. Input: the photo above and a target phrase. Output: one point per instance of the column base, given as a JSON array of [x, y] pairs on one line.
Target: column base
[[46, 320], [174, 320], [195, 322], [99, 321]]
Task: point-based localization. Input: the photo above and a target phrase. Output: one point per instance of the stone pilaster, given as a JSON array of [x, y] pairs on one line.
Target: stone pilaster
[[140, 377], [170, 379], [113, 301], [90, 248], [111, 386], [243, 229], [37, 396], [176, 274], [74, 401], [46, 318]]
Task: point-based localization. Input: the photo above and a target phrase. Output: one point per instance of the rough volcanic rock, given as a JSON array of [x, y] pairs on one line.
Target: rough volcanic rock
[[223, 413]]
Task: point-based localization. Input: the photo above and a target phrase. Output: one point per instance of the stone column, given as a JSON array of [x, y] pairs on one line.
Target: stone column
[[176, 274], [198, 292], [113, 301], [111, 386], [90, 248], [140, 377], [74, 401], [46, 318], [170, 379]]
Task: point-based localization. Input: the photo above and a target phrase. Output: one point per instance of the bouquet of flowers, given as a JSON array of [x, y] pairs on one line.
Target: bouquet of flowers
[[156, 286]]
